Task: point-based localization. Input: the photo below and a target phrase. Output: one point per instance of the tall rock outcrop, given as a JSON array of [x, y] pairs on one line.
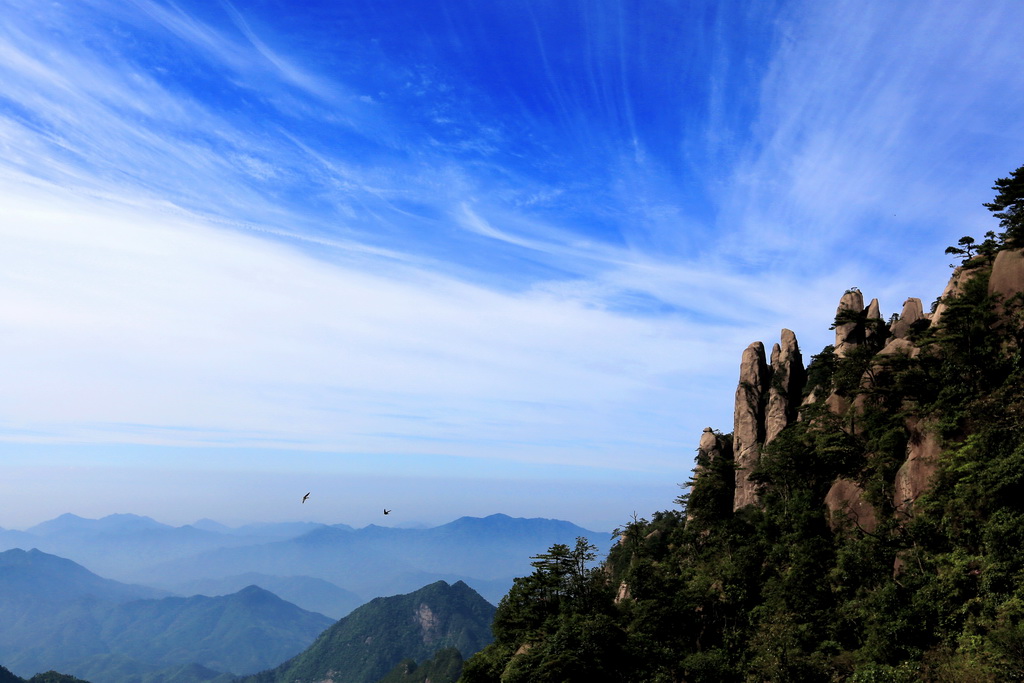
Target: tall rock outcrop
[[849, 332], [748, 420], [788, 377], [1007, 277], [767, 399], [846, 499], [954, 287], [873, 331], [913, 311], [710, 445], [915, 475]]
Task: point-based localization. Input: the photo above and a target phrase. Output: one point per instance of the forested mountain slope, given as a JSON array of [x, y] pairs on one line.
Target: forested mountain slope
[[863, 522], [367, 644], [55, 614]]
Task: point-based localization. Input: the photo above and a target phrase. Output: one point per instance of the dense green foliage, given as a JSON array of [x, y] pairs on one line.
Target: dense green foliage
[[444, 667], [1008, 207], [931, 589], [47, 677], [368, 643], [54, 677], [557, 624]]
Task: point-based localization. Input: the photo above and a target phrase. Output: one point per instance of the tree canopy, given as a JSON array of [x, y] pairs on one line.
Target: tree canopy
[[1008, 207]]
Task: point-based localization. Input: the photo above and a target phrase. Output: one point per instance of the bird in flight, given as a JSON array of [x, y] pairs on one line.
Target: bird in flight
[[386, 511], [305, 497]]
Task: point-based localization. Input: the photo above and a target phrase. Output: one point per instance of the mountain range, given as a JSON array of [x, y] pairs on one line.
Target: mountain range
[[257, 595], [323, 568], [58, 615]]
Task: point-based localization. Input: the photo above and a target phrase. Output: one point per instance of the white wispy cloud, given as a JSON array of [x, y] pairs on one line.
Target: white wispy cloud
[[133, 325], [872, 114]]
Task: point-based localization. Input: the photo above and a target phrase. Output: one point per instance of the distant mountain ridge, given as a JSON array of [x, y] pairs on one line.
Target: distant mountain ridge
[[315, 595], [111, 523], [42, 578], [485, 552]]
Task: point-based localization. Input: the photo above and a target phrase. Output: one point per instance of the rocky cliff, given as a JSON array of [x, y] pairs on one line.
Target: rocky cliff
[[772, 393], [863, 522]]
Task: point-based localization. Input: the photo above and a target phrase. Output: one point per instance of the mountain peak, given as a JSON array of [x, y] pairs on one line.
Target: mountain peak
[[375, 637], [207, 524]]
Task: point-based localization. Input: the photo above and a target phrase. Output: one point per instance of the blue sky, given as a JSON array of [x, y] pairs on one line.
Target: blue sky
[[453, 257]]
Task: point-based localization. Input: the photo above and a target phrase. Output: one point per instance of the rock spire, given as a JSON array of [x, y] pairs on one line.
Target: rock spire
[[849, 331], [785, 386], [767, 398], [748, 420]]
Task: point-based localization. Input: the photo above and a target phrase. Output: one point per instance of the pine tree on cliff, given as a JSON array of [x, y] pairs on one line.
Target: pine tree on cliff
[[1008, 207]]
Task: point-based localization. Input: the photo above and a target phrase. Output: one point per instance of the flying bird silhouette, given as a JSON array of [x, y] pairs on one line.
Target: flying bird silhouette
[[386, 511], [305, 497]]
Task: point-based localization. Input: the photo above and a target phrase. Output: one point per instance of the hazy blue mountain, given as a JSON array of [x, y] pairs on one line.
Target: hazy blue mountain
[[211, 525], [279, 531], [114, 545], [242, 633], [121, 546], [126, 670], [58, 615], [487, 553], [12, 538], [366, 645], [34, 578], [265, 531], [116, 523], [309, 593]]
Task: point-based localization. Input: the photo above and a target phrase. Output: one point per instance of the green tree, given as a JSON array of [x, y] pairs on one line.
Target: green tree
[[966, 249], [1008, 207]]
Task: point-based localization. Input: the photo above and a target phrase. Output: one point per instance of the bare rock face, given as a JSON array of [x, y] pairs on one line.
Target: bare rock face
[[900, 345], [712, 447], [1007, 276], [953, 287], [913, 311], [915, 475], [748, 421], [787, 383], [850, 333], [837, 404], [870, 331], [709, 444], [429, 623], [847, 497]]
